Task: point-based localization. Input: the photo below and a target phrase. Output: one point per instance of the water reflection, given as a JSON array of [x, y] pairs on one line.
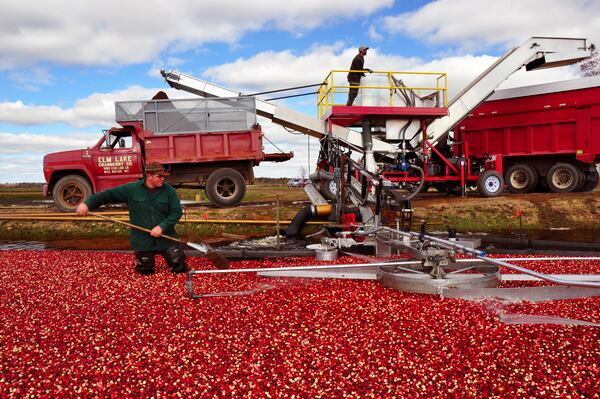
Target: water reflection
[[99, 243]]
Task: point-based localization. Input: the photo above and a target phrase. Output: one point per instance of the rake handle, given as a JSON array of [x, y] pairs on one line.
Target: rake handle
[[133, 226]]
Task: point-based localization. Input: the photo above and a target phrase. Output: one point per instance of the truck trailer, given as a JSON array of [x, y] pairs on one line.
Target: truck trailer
[[209, 144], [541, 136]]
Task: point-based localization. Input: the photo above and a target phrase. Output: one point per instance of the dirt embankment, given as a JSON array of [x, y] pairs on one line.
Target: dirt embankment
[[538, 210]]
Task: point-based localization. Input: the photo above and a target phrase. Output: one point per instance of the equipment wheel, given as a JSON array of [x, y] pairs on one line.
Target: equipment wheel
[[329, 188], [225, 187], [591, 181], [490, 183], [70, 191], [563, 178], [521, 178]]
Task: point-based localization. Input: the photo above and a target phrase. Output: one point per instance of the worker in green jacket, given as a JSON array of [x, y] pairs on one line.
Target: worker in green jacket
[[153, 204]]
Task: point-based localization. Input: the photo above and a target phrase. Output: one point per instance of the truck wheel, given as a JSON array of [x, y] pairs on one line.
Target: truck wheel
[[521, 178], [591, 181], [70, 191], [563, 178], [581, 183], [490, 183], [225, 187]]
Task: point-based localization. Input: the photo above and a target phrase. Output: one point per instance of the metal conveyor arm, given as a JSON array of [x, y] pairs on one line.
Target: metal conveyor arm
[[535, 53]]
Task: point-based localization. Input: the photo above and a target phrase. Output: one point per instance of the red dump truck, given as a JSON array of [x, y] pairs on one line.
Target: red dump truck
[[540, 137], [204, 143]]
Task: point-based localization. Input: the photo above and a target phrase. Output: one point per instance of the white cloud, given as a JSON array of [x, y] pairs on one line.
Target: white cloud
[[374, 34], [96, 109], [275, 70], [21, 154], [31, 79], [13, 143], [479, 25], [21, 168], [111, 32]]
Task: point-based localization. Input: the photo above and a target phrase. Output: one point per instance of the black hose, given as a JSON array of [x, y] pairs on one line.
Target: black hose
[[303, 215], [400, 197], [299, 221]]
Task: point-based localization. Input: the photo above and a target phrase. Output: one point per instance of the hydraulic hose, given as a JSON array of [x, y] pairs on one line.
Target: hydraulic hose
[[400, 197]]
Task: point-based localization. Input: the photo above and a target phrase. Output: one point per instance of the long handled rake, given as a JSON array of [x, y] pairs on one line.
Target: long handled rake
[[213, 255]]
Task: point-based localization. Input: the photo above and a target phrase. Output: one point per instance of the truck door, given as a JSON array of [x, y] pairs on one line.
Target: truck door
[[117, 160]]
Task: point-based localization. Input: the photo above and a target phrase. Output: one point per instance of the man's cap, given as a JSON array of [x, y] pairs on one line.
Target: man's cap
[[155, 168], [361, 48]]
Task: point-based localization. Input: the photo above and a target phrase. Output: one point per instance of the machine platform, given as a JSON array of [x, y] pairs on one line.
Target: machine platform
[[349, 116]]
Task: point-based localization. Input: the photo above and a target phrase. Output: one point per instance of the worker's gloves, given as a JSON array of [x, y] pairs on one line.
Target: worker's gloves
[[370, 70]]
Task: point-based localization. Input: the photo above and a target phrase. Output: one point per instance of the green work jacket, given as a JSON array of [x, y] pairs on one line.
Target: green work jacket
[[147, 208]]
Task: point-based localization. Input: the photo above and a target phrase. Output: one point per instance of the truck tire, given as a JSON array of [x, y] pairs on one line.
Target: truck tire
[[521, 178], [563, 178], [581, 183], [490, 183], [591, 181], [70, 191], [225, 187]]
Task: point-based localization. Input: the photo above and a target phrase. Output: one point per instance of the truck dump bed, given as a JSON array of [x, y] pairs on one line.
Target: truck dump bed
[[196, 130], [549, 119]]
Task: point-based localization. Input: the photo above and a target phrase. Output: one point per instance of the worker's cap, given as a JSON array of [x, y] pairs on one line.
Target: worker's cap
[[362, 48], [154, 168]]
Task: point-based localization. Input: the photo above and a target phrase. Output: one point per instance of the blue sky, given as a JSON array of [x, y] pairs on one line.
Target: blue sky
[[64, 63]]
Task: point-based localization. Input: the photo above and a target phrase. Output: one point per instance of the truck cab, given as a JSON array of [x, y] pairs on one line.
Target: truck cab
[[72, 176]]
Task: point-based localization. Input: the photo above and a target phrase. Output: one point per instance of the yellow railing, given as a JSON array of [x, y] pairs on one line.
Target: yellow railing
[[431, 85]]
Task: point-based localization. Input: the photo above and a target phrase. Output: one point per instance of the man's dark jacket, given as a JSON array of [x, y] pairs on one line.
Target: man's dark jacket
[[147, 208], [358, 64]]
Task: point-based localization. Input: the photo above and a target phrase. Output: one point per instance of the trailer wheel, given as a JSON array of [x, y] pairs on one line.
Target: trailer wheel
[[563, 178], [225, 187], [490, 183], [591, 181], [521, 178], [70, 191]]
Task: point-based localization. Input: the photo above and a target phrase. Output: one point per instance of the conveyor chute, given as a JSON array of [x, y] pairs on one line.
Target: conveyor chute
[[535, 53]]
